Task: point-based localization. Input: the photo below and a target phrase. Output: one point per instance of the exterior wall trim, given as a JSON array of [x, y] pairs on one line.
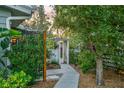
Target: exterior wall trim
[[14, 18]]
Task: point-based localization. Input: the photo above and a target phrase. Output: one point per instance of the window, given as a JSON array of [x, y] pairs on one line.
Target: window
[[2, 20]]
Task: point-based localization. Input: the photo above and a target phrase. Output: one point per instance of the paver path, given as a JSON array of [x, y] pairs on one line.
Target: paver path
[[69, 78]]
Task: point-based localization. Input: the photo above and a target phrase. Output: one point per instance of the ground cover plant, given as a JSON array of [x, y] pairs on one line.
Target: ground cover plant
[[15, 80]]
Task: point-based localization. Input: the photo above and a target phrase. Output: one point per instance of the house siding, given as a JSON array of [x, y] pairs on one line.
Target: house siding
[[13, 10], [3, 15]]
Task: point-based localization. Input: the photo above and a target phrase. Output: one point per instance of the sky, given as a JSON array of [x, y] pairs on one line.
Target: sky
[[49, 11]]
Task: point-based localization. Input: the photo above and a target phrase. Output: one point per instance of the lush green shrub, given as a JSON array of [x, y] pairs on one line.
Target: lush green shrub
[[3, 29], [73, 57], [86, 59], [27, 55], [4, 33], [54, 62], [118, 61], [11, 32], [16, 80], [5, 43], [14, 32]]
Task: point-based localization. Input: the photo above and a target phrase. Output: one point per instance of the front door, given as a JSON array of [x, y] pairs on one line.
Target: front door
[[61, 53]]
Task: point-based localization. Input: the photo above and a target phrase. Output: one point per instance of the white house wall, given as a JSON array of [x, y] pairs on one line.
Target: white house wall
[[23, 8], [7, 11], [55, 55], [3, 15]]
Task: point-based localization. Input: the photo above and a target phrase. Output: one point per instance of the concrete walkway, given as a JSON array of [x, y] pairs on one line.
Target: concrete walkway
[[69, 78]]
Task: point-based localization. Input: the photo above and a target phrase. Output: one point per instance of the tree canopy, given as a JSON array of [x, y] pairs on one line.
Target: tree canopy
[[100, 29], [101, 26]]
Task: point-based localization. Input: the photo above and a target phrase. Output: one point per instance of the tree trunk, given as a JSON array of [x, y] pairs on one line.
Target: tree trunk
[[99, 72]]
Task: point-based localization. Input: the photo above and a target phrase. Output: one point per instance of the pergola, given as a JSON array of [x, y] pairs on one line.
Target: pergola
[[63, 50]]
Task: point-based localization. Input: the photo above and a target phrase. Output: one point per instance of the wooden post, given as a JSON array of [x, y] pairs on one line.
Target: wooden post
[[44, 65]]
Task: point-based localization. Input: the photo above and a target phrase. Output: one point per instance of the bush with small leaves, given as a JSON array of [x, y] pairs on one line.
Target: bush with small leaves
[[86, 60], [16, 80]]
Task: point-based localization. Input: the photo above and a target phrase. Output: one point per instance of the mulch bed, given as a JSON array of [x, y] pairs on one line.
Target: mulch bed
[[53, 66], [47, 84], [111, 79]]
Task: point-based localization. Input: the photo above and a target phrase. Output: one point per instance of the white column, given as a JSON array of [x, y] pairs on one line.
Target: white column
[[7, 24], [59, 50], [63, 52], [67, 52]]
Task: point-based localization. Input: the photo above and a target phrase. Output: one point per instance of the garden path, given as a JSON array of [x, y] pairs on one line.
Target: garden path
[[69, 79]]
